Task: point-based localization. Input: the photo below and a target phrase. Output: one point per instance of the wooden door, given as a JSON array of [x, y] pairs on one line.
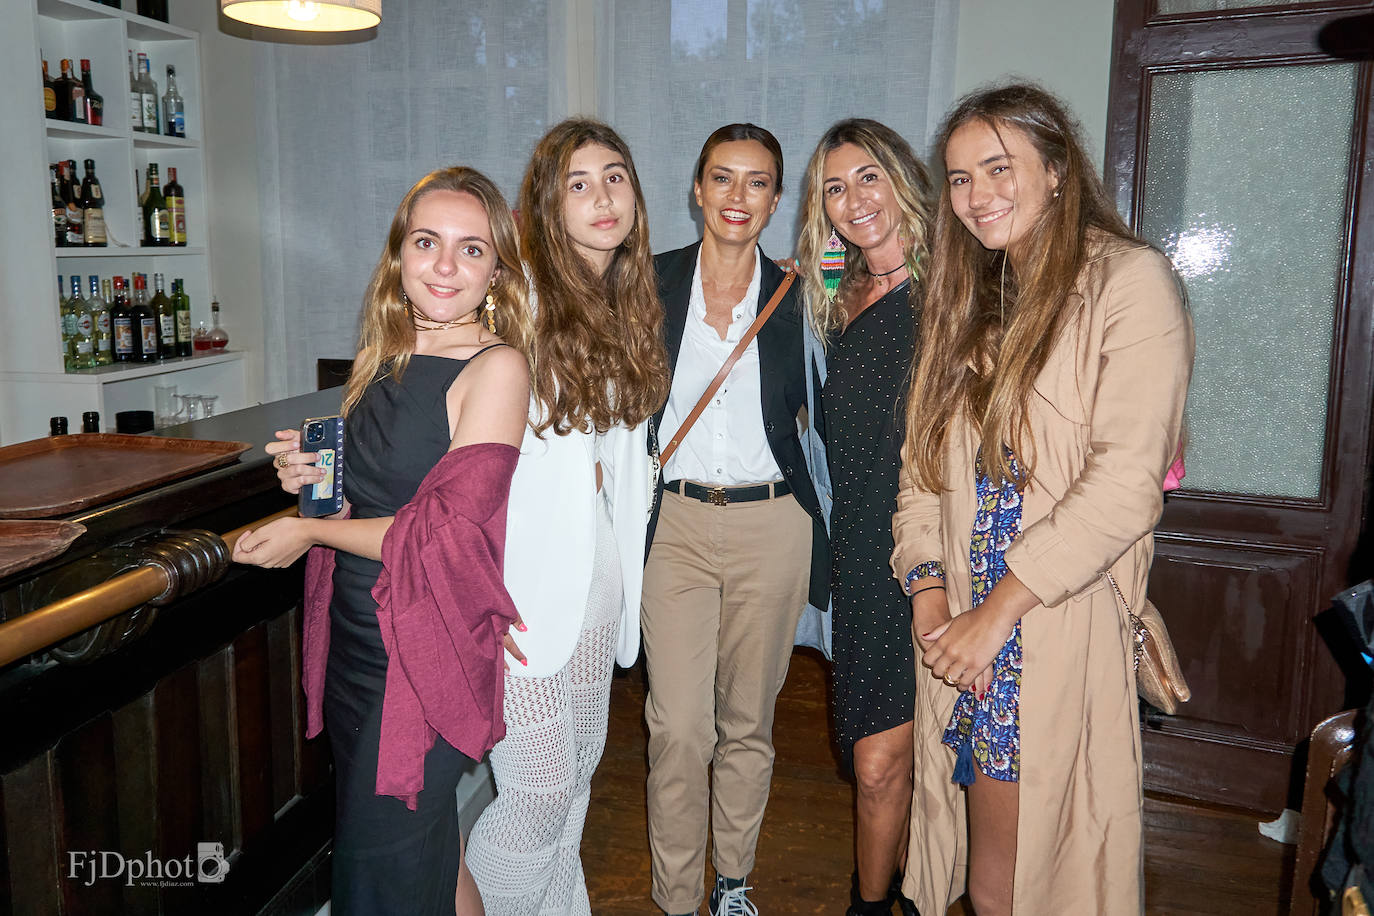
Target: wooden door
[[1239, 140]]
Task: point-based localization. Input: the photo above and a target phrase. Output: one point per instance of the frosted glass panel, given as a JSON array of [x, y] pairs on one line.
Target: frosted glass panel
[[1245, 190]]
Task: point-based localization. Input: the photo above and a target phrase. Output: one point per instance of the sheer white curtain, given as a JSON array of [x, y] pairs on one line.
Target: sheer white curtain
[[671, 71], [345, 130]]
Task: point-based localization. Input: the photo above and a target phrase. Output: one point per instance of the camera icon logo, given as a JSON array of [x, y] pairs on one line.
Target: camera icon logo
[[211, 866]]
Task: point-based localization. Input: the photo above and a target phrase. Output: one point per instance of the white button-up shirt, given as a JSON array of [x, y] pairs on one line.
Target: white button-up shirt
[[727, 445]]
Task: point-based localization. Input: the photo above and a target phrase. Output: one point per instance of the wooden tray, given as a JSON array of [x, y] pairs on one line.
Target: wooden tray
[[59, 475], [22, 544]]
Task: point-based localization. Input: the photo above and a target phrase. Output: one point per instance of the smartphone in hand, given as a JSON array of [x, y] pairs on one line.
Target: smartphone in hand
[[325, 437]]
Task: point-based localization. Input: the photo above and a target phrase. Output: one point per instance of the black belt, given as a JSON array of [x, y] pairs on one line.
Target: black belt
[[723, 496]]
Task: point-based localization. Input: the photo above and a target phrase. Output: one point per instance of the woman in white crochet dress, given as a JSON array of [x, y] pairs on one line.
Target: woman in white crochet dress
[[578, 510]]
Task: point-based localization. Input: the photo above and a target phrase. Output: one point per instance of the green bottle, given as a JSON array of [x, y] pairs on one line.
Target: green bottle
[[181, 306]]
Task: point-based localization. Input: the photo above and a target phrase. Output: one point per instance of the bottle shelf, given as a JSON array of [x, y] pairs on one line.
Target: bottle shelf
[[159, 141], [121, 372], [70, 10], [75, 130], [131, 252]]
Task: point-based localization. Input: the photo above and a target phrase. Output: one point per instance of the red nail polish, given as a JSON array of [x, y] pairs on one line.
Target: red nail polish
[[926, 635], [525, 662], [521, 627]]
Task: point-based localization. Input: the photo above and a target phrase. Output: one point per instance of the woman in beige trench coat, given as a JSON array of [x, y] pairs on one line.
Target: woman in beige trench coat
[[1055, 357]]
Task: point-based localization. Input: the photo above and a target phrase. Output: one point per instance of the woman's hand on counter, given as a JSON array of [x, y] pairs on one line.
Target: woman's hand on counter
[[295, 468], [278, 543]]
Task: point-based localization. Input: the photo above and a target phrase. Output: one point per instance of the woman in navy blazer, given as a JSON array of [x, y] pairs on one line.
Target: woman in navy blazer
[[737, 545]]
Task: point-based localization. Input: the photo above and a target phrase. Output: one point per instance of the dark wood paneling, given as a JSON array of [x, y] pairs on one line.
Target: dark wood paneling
[[136, 766], [82, 762], [218, 741], [32, 826], [253, 731], [286, 728], [1241, 648]]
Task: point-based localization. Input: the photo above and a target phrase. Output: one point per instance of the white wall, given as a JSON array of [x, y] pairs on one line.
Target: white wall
[[228, 71], [1065, 45]]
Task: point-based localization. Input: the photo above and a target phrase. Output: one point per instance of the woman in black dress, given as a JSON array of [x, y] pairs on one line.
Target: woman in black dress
[[435, 410], [866, 218]]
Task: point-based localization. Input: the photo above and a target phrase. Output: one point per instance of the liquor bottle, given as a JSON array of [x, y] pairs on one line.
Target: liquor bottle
[[59, 210], [148, 90], [73, 92], [156, 223], [219, 338], [71, 197], [83, 336], [144, 322], [95, 102], [181, 308], [100, 310], [166, 320], [176, 208], [122, 319], [66, 323], [49, 94], [63, 92], [93, 208], [135, 98], [173, 107], [142, 195]]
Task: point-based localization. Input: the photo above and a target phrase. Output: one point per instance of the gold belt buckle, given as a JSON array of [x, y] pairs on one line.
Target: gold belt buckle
[[716, 496]]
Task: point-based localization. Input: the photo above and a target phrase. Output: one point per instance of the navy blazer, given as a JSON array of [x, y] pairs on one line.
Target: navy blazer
[[782, 386]]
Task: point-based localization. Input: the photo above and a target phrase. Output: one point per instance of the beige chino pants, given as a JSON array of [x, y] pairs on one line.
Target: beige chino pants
[[723, 590]]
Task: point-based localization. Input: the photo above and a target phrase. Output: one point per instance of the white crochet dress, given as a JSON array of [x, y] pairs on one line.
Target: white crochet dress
[[524, 849]]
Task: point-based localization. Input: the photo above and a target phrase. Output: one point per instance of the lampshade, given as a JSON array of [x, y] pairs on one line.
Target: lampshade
[[306, 15]]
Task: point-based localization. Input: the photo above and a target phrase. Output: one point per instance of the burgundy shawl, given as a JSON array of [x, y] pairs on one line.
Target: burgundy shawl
[[443, 611]]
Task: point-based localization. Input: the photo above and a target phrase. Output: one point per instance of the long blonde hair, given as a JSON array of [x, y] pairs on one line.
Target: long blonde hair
[[990, 325], [910, 185], [387, 337], [599, 356]]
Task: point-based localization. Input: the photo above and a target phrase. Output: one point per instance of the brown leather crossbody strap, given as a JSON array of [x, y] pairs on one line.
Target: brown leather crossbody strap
[[749, 334]]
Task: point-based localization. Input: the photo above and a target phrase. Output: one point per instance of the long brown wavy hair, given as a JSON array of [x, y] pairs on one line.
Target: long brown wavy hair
[[910, 184], [990, 323], [387, 336], [599, 356]]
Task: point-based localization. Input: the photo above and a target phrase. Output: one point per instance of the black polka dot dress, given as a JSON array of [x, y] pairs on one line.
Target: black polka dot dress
[[864, 397]]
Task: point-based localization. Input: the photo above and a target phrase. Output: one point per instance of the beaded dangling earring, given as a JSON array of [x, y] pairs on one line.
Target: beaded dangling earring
[[491, 311], [832, 264]]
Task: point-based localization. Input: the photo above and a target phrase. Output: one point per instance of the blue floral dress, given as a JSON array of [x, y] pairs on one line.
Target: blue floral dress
[[988, 731]]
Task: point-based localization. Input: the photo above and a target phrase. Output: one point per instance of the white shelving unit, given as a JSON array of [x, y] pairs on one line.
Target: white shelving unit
[[33, 385]]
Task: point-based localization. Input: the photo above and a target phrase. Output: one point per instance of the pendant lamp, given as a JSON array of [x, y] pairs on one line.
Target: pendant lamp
[[306, 15]]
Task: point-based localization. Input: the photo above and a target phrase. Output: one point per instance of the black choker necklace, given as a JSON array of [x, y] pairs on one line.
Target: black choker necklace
[[886, 272]]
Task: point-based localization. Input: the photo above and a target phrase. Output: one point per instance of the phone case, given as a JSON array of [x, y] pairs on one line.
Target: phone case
[[325, 437]]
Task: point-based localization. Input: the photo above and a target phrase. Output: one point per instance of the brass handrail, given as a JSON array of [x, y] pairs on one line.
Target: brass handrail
[[55, 622]]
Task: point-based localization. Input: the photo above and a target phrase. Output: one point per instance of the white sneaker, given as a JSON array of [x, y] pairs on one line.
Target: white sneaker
[[731, 901]]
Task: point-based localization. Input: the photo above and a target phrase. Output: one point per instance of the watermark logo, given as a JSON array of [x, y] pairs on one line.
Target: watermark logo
[[207, 866]]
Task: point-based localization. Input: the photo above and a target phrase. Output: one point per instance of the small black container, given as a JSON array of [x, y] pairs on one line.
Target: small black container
[[57, 426], [90, 421], [133, 421]]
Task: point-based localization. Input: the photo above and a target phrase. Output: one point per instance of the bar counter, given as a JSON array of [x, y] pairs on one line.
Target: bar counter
[[157, 763]]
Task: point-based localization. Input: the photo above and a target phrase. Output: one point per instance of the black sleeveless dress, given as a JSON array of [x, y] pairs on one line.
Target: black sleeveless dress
[[387, 858], [865, 407]]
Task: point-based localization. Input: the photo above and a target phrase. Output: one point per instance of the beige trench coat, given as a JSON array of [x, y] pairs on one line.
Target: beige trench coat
[[1105, 420]]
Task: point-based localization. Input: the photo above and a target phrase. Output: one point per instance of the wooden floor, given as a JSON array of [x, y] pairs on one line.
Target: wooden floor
[[1197, 860]]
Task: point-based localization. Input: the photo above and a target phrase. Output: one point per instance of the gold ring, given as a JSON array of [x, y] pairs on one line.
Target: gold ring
[[281, 460], [949, 681]]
